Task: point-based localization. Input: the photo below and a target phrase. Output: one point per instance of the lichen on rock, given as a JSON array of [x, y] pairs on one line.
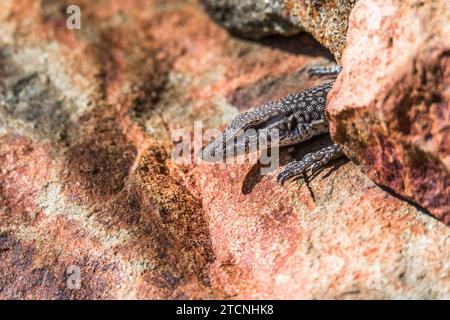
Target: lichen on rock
[[254, 19], [326, 20]]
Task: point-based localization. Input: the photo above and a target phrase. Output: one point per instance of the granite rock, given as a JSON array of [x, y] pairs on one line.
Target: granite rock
[[327, 20], [93, 205], [390, 106]]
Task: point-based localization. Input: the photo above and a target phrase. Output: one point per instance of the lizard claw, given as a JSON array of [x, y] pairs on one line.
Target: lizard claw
[[316, 160], [283, 177]]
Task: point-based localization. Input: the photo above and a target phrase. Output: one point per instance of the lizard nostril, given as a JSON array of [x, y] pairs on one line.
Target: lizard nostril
[[207, 153], [292, 123]]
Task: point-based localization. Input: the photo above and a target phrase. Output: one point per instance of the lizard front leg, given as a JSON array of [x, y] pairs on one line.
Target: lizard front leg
[[320, 158], [315, 160]]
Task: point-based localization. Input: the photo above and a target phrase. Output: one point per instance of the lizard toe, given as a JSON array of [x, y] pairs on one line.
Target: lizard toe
[[315, 160]]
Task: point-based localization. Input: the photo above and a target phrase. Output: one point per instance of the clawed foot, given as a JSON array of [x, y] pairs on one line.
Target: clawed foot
[[315, 160]]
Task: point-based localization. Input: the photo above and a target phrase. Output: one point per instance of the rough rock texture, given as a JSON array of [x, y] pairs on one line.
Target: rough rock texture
[[88, 184], [251, 18], [326, 20], [390, 106]]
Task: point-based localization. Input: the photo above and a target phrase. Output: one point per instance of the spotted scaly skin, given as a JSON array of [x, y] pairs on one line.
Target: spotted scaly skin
[[285, 122]]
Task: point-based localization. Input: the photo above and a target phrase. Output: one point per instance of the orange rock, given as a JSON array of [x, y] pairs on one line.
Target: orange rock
[[93, 206]]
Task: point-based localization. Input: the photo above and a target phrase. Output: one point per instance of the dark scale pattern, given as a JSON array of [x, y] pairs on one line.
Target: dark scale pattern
[[309, 105]]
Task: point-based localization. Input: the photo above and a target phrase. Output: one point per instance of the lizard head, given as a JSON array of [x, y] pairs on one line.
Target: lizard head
[[273, 123], [254, 130]]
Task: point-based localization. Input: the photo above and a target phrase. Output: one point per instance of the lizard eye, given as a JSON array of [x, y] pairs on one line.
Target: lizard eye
[[292, 123]]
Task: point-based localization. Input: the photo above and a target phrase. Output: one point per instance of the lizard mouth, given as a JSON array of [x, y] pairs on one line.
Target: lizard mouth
[[219, 150], [208, 153], [247, 142], [215, 151]]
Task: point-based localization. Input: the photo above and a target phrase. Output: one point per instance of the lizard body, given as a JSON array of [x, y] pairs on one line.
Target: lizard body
[[288, 121]]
